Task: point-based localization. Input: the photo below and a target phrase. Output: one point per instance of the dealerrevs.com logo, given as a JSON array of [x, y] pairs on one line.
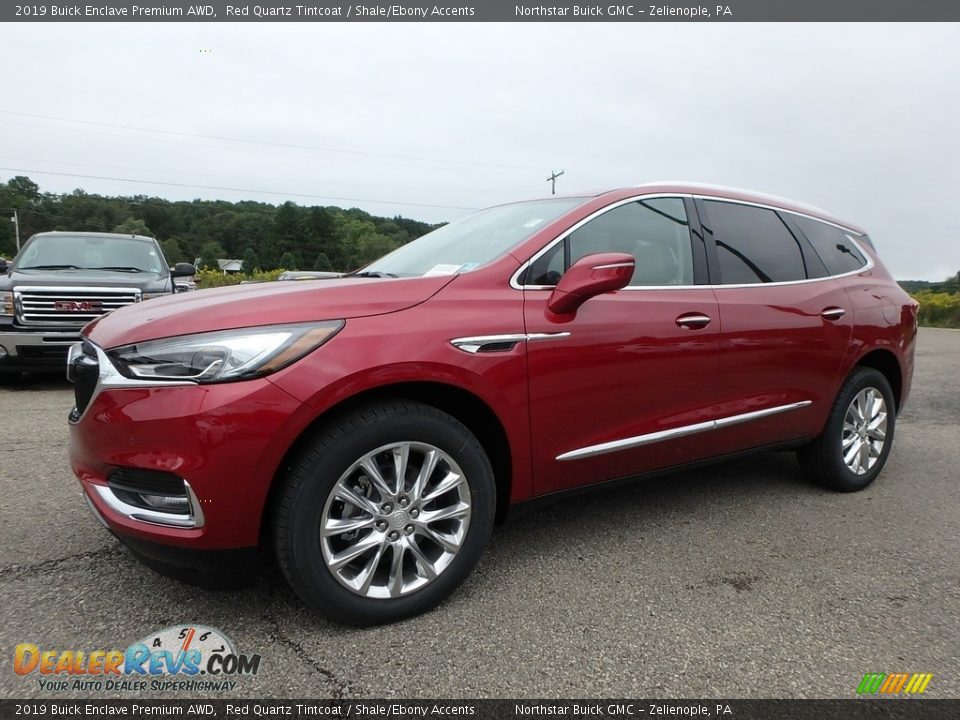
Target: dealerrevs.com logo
[[190, 658]]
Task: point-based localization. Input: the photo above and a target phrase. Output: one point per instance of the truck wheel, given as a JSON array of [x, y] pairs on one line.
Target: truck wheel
[[854, 445], [385, 513]]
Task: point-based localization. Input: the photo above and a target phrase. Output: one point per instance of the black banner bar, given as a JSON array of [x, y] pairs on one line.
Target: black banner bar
[[481, 11], [623, 709]]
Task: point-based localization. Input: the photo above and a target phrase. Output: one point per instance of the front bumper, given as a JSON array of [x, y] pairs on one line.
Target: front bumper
[[225, 440], [35, 350]]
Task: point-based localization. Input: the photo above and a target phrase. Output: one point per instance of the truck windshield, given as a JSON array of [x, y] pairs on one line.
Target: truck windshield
[[470, 242], [60, 252]]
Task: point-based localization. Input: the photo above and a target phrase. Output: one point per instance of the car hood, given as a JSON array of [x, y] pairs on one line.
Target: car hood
[[81, 278], [272, 303]]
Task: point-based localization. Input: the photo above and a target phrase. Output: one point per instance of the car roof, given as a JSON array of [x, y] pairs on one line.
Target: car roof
[[731, 193], [685, 187]]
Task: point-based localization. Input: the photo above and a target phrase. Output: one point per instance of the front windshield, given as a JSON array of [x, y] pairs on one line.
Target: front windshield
[[63, 252], [472, 241]]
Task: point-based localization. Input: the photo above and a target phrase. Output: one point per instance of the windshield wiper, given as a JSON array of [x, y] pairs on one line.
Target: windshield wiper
[[118, 268], [50, 267], [374, 273]]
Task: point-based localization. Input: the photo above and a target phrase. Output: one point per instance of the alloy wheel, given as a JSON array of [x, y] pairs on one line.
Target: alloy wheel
[[864, 431], [395, 520]]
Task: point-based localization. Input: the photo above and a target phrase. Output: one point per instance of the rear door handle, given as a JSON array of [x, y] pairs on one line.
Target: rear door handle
[[693, 321], [833, 313]]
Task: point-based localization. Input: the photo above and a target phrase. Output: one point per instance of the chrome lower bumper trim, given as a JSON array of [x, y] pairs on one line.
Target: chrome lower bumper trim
[[194, 519]]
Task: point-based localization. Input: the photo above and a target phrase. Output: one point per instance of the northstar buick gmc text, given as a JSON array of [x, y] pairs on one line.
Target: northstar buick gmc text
[[372, 428]]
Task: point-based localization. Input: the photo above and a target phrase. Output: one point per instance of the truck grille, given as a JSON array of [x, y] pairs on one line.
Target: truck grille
[[69, 306]]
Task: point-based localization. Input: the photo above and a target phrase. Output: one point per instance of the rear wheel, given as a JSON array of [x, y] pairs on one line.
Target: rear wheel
[[385, 514], [855, 443]]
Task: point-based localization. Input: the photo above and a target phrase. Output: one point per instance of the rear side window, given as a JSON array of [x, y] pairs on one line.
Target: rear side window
[[654, 231], [832, 244], [753, 245]]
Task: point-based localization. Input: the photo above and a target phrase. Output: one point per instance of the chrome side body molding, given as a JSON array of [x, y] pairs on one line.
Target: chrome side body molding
[[673, 433]]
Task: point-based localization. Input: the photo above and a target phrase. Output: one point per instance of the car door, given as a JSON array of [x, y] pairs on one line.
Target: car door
[[784, 326], [614, 388]]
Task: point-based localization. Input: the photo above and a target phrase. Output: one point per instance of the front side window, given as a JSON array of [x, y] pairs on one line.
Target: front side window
[[832, 245], [654, 231], [753, 245]]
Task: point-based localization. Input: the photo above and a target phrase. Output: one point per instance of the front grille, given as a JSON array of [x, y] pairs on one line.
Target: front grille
[[69, 306], [83, 370], [52, 354]]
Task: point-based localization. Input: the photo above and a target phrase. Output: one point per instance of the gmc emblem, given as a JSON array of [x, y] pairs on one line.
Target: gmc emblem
[[78, 306]]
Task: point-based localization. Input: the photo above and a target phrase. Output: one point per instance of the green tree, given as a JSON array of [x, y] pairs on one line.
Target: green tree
[[322, 263], [172, 251], [250, 260], [289, 261], [133, 226], [209, 254]]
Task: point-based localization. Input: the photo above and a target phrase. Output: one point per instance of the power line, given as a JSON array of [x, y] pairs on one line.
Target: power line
[[236, 189], [238, 178], [291, 146]]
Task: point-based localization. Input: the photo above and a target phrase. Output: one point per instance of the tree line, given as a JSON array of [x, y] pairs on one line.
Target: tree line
[[266, 237]]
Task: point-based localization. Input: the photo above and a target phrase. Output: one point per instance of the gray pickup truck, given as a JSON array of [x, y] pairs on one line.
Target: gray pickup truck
[[60, 281]]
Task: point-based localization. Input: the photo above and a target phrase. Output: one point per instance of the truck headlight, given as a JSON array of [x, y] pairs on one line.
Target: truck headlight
[[224, 355], [6, 303]]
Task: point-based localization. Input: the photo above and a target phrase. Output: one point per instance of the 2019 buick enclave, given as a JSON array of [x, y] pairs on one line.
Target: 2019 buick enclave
[[372, 428]]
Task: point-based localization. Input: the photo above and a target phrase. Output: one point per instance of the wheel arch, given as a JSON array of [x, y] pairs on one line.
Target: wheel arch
[[887, 363], [462, 404]]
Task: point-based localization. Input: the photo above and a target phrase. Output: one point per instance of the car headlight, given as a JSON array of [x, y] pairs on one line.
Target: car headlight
[[6, 303], [221, 356]]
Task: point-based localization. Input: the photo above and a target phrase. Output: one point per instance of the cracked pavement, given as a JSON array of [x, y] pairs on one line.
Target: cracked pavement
[[737, 580]]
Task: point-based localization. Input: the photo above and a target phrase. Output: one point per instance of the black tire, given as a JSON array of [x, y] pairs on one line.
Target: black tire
[[311, 479], [9, 377], [823, 459]]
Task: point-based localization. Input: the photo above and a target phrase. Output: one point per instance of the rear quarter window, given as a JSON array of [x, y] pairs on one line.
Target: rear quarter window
[[834, 247]]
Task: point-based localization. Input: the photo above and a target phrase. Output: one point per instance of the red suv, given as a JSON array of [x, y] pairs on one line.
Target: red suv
[[372, 428]]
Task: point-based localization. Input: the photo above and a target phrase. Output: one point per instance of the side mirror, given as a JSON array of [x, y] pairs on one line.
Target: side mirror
[[183, 270], [589, 276]]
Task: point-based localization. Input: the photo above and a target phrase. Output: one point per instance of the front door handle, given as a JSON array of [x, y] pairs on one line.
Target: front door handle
[[833, 313], [693, 321]]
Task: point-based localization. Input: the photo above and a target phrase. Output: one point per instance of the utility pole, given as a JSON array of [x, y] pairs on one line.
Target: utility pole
[[16, 228], [553, 181]]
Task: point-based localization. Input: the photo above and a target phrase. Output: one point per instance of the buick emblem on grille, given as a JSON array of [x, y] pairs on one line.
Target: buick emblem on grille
[[78, 306]]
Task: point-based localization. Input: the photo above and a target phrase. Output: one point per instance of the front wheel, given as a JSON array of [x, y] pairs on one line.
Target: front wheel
[[385, 514], [853, 447]]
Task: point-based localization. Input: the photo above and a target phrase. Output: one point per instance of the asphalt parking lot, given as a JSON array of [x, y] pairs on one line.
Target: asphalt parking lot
[[739, 580]]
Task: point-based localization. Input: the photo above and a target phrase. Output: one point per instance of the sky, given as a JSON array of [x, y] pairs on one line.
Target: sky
[[430, 121]]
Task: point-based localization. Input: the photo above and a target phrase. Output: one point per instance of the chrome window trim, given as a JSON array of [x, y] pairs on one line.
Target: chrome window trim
[[853, 236], [673, 433], [476, 343]]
